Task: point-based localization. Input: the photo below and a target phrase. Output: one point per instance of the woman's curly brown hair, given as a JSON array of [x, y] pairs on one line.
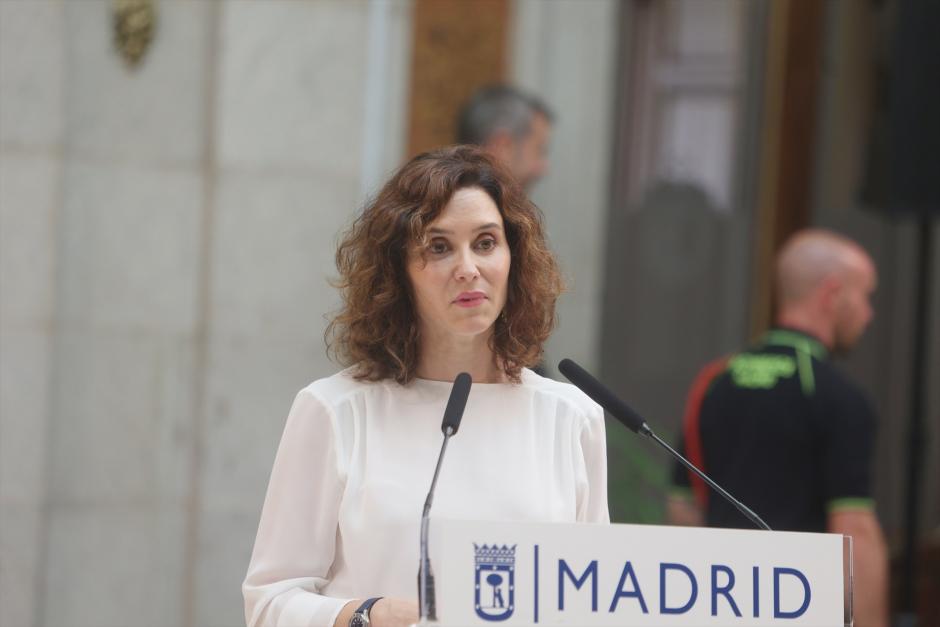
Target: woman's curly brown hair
[[376, 329]]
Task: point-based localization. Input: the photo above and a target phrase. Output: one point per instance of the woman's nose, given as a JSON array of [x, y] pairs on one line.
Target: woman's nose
[[466, 269]]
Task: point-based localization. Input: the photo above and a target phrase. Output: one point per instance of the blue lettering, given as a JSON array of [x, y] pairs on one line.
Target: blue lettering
[[778, 613], [590, 571], [756, 591], [628, 572], [663, 609], [725, 591]]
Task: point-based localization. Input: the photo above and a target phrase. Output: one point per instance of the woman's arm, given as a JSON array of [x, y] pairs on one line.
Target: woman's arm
[[295, 545], [386, 612], [345, 614], [592, 503]]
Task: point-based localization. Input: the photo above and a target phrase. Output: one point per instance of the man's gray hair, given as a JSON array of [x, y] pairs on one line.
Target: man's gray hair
[[498, 108]]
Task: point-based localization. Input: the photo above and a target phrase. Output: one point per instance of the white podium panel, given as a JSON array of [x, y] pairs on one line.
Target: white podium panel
[[569, 574]]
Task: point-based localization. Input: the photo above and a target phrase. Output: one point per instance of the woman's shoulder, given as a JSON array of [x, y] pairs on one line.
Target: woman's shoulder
[[338, 387], [564, 394]]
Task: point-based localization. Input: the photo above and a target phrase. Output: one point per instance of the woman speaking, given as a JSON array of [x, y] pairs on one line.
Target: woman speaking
[[446, 271]]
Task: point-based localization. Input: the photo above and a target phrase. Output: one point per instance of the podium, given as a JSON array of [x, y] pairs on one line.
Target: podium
[[489, 573]]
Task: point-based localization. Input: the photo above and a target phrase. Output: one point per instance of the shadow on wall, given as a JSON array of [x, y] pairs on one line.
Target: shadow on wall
[[673, 245]]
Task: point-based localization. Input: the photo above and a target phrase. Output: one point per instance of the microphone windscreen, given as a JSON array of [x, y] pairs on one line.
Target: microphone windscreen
[[456, 403], [601, 395]]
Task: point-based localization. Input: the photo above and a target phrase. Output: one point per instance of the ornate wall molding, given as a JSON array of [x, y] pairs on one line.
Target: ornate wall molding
[[134, 24]]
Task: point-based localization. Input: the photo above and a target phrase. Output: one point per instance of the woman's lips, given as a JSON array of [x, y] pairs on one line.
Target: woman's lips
[[470, 299]]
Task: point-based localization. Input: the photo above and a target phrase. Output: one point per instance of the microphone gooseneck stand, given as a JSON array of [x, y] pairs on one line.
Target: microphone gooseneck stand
[[741, 507], [426, 576], [427, 609], [602, 395]]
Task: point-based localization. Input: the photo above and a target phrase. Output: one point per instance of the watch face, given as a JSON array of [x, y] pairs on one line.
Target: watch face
[[358, 621]]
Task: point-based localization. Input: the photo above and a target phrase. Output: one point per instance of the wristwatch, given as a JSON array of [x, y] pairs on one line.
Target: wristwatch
[[361, 617]]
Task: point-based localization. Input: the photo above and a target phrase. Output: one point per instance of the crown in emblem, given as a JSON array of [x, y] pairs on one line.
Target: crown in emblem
[[495, 555]]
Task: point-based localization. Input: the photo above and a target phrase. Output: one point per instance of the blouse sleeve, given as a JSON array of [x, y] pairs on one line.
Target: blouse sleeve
[[592, 500], [296, 540]]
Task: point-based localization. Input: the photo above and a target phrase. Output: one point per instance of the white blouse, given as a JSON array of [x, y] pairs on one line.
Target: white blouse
[[342, 512]]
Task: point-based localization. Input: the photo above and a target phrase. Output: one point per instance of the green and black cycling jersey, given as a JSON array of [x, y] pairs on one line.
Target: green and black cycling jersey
[[781, 429]]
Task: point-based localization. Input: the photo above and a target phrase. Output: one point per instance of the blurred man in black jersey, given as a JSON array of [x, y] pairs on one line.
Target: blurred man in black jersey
[[782, 429]]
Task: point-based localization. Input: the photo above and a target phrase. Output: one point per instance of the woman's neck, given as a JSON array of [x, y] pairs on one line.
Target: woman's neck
[[444, 357]]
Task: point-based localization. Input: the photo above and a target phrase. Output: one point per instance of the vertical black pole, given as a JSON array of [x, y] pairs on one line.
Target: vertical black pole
[[917, 431]]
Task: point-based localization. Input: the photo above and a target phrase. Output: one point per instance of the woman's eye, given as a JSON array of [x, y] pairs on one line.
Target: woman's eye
[[437, 248], [486, 244]]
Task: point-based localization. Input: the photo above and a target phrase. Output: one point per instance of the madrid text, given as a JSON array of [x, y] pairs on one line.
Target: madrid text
[[717, 589]]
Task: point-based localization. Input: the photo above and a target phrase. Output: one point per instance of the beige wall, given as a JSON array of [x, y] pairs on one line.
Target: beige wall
[[167, 236], [31, 147]]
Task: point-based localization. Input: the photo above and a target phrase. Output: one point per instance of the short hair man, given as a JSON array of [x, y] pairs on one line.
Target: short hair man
[[785, 432], [512, 126]]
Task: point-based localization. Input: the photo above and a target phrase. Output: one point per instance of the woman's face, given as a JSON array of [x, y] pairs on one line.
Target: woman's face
[[460, 279]]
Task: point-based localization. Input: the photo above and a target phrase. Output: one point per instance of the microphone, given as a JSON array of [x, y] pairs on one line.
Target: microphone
[[452, 415], [455, 405], [633, 421], [603, 396]]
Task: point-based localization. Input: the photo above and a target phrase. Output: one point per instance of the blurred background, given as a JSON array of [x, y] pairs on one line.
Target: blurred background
[[175, 174]]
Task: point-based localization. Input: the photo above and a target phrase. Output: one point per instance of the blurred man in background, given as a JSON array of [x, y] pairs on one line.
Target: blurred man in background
[[784, 431], [513, 126]]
